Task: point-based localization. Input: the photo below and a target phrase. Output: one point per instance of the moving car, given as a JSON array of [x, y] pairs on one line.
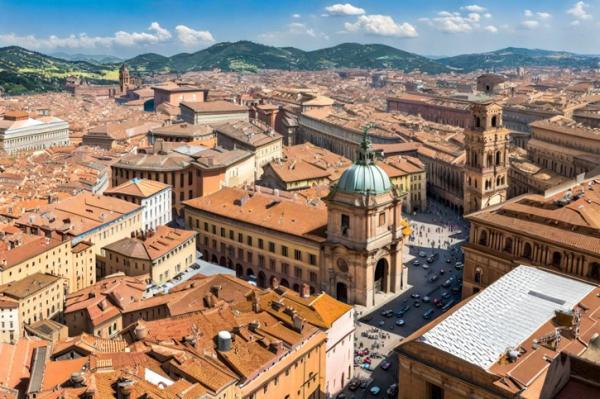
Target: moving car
[[445, 295], [426, 299], [447, 283], [427, 315], [400, 322], [422, 254], [417, 304], [416, 262], [415, 295], [448, 305], [385, 365]]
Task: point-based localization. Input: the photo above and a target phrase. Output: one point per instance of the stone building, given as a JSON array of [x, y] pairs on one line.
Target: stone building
[[212, 112], [351, 248], [173, 94], [486, 146], [159, 253], [38, 297], [20, 132], [153, 196], [509, 341], [557, 230], [185, 133], [261, 140], [448, 111]]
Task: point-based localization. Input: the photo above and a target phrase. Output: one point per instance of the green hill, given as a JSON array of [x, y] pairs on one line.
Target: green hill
[[512, 57], [23, 71], [250, 56]]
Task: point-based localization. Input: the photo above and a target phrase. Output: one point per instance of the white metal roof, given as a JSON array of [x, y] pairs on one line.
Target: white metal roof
[[505, 314]]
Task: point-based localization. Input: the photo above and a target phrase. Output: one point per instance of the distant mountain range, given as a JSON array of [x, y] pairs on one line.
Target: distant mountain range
[[93, 58], [24, 71]]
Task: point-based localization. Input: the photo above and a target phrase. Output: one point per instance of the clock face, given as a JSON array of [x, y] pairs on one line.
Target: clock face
[[342, 265]]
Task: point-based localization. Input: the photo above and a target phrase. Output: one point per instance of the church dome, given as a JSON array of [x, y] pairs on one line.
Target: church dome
[[364, 178]]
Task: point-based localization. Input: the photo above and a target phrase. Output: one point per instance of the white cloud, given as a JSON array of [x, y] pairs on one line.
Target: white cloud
[[543, 15], [530, 24], [580, 11], [300, 28], [474, 8], [454, 22], [296, 16], [381, 25], [191, 37], [487, 15], [156, 34], [491, 29], [344, 9], [528, 13]]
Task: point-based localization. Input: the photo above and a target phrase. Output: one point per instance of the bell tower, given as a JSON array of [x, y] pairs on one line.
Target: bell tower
[[124, 79], [486, 146]]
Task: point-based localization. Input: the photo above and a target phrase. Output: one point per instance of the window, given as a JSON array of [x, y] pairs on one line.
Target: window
[[261, 243], [345, 224], [434, 392], [297, 254], [272, 265], [284, 250], [477, 276], [527, 251], [249, 240], [214, 229], [483, 238], [231, 234], [271, 246], [261, 260], [249, 257], [297, 272], [312, 259], [285, 268], [205, 226], [240, 237], [556, 259], [313, 277], [381, 219], [222, 231], [508, 245]]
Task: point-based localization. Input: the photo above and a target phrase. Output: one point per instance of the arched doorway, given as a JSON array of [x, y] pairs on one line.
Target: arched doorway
[[229, 263], [296, 287], [214, 260], [381, 271], [239, 270], [341, 292], [249, 272], [222, 261], [262, 279], [285, 283]]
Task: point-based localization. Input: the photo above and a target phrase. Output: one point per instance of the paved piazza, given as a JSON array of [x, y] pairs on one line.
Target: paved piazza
[[439, 231]]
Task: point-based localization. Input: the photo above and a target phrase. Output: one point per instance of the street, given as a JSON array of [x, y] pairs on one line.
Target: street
[[433, 258]]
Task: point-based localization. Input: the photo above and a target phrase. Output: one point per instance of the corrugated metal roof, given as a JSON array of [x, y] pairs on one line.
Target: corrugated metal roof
[[505, 314]]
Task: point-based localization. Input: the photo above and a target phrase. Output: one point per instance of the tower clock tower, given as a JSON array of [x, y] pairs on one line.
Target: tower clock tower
[[486, 146]]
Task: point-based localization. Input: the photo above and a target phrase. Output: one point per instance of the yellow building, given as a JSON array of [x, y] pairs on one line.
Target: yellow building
[[161, 254], [39, 297], [408, 174], [27, 254]]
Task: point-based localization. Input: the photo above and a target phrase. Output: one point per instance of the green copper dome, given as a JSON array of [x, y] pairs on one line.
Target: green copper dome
[[364, 176]]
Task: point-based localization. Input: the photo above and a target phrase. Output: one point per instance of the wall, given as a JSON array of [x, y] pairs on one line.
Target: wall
[[340, 353]]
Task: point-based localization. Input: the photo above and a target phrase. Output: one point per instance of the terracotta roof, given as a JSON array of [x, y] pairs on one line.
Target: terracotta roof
[[29, 285], [17, 360], [153, 245], [142, 188], [212, 107], [279, 214]]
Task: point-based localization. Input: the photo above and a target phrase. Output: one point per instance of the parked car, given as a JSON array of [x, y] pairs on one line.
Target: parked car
[[400, 322], [427, 315], [442, 271], [416, 262], [447, 283], [456, 289], [422, 254], [445, 295], [415, 295], [353, 386], [375, 390], [430, 259], [381, 323], [417, 304], [458, 266], [426, 299], [433, 277], [365, 383], [385, 365], [448, 305], [425, 266], [392, 391]]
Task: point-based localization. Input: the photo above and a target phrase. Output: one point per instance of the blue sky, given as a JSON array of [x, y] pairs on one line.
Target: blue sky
[[431, 27]]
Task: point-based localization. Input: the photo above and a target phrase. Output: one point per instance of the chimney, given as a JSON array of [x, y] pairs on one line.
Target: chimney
[[216, 290], [275, 346], [141, 331], [224, 341], [253, 326], [209, 301], [77, 379], [298, 322], [305, 290], [124, 388], [274, 283]]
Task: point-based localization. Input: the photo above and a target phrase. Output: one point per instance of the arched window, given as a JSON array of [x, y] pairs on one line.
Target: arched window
[[489, 160], [594, 271], [494, 121], [483, 237], [556, 258], [527, 251], [477, 122], [477, 276], [498, 158], [508, 245]]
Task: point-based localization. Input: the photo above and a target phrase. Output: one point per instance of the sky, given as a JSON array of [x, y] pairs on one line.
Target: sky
[[126, 28]]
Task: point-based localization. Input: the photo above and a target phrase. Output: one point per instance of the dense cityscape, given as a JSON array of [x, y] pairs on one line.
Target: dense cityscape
[[298, 231]]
